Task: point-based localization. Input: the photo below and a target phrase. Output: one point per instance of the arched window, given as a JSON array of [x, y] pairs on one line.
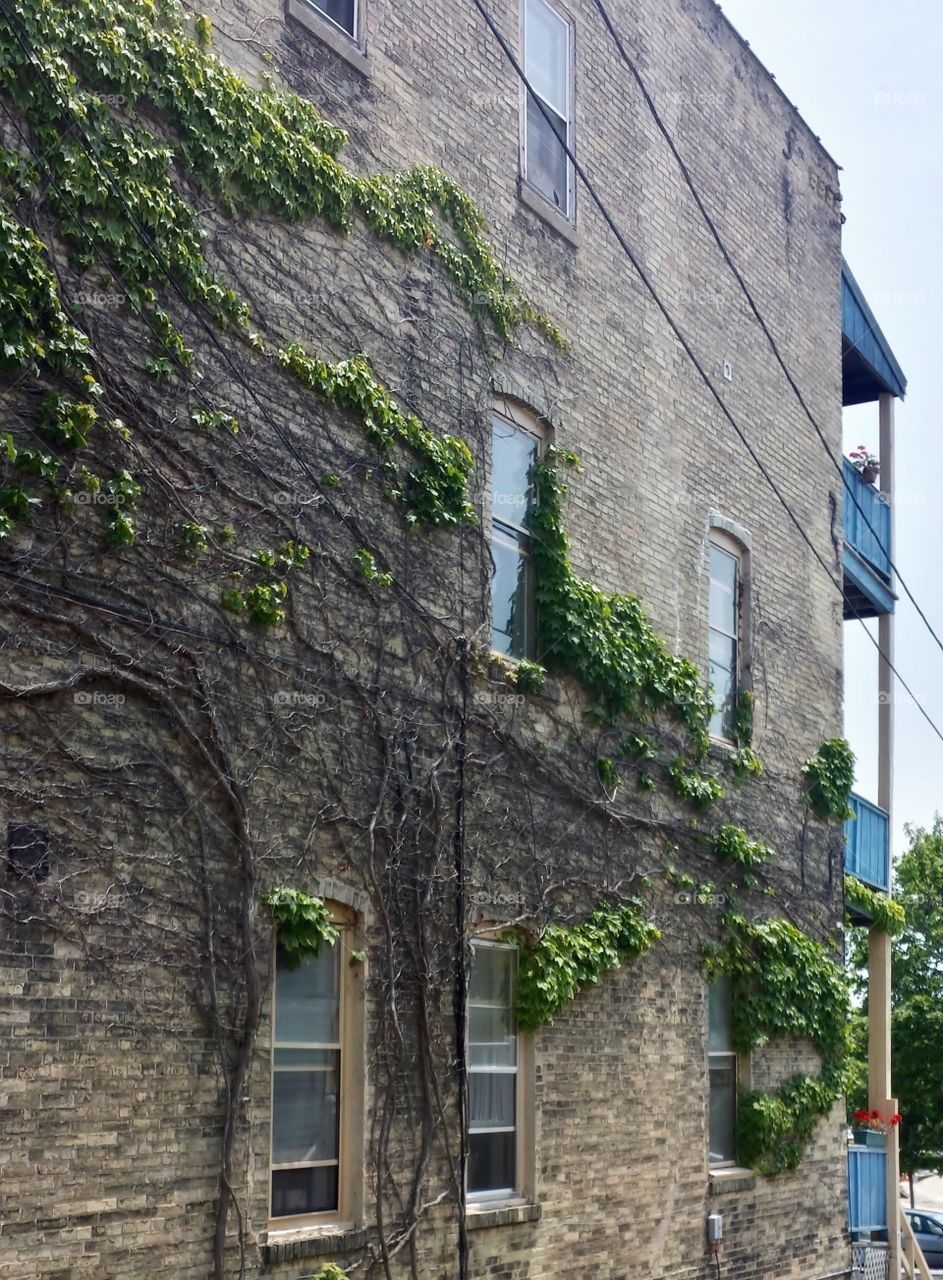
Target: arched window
[[517, 441], [728, 634]]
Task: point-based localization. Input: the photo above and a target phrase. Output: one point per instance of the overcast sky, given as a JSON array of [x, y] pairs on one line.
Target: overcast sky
[[866, 76]]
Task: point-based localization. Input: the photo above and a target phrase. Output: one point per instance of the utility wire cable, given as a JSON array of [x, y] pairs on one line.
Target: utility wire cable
[[146, 240], [761, 321], [686, 347]]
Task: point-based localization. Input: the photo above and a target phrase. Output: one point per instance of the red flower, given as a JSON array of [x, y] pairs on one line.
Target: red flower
[[860, 1115], [875, 1115], [896, 1119]]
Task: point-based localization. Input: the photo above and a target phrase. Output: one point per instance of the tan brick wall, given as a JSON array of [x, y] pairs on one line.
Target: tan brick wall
[[110, 1082]]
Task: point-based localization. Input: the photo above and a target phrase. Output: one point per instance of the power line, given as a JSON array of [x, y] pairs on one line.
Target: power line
[[689, 352], [745, 290], [146, 240]]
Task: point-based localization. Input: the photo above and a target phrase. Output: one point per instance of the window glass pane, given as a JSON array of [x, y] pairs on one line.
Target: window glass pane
[[491, 1099], [512, 454], [723, 1108], [307, 999], [304, 1191], [305, 1059], [512, 597], [720, 1034], [547, 161], [305, 1112], [723, 592], [492, 974], [546, 38], [491, 1162], [723, 679], [491, 1039], [342, 11]]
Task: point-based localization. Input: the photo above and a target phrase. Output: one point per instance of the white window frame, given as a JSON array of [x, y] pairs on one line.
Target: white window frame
[[349, 1117], [568, 213], [509, 530], [522, 1125]]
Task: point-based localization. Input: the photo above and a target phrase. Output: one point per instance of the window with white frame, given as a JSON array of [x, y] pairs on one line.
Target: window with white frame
[[493, 1070], [342, 12], [548, 132], [515, 448], [724, 621], [722, 1068], [307, 1065]]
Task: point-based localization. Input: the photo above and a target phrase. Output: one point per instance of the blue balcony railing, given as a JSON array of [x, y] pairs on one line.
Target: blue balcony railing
[[867, 847], [867, 1189], [875, 548]]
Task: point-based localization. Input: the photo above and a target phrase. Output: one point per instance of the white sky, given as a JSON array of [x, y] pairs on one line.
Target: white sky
[[867, 76]]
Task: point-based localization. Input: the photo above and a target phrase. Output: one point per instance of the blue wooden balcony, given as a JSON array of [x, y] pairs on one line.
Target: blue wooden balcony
[[867, 844], [867, 555], [867, 1190]]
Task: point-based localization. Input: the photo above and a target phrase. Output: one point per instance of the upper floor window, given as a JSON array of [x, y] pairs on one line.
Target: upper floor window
[[493, 1083], [722, 1066], [315, 1079], [724, 618], [515, 448], [548, 68], [343, 12]]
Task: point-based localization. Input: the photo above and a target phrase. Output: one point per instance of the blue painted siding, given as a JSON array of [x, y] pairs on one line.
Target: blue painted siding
[[867, 848], [867, 1189], [874, 548]]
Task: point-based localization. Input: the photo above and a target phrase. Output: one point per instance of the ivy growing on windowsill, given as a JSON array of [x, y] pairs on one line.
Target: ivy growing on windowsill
[[886, 915], [303, 924], [784, 985], [604, 641]]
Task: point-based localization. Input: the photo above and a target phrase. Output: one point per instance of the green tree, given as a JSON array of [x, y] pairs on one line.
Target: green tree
[[917, 1004]]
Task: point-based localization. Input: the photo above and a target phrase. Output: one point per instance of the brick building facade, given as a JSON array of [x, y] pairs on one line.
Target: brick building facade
[[179, 763]]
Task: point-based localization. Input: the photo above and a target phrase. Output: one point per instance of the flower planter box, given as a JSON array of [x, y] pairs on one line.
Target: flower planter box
[[869, 1138]]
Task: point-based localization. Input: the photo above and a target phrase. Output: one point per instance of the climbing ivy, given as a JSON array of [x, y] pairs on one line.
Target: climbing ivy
[[605, 641], [700, 789], [829, 776], [436, 492], [567, 960], [887, 916], [256, 150], [86, 75], [744, 762], [785, 985], [734, 845], [302, 924]]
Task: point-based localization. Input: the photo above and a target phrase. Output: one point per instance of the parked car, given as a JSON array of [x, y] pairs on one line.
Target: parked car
[[927, 1226]]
